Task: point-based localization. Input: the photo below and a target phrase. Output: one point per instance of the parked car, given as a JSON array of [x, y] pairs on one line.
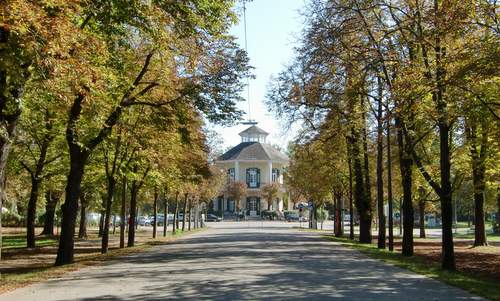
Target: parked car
[[160, 218], [268, 214], [213, 218], [144, 221], [292, 217]]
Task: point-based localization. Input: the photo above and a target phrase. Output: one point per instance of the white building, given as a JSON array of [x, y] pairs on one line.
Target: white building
[[255, 163]]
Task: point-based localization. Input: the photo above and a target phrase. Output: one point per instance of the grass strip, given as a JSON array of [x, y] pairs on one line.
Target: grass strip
[[19, 241], [486, 288], [23, 277]]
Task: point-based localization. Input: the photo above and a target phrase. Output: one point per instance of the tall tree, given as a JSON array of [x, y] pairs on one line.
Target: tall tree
[[210, 78]]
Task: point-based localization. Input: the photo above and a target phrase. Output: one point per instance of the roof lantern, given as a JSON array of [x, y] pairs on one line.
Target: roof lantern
[[254, 134]]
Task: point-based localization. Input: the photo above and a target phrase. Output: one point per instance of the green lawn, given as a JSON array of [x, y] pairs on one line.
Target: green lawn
[[487, 288], [489, 236], [19, 241]]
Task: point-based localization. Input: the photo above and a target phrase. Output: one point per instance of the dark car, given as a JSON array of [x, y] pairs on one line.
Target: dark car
[[213, 218], [292, 217]]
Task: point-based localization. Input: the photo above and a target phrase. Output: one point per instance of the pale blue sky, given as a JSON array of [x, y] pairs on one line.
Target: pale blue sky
[[272, 27]]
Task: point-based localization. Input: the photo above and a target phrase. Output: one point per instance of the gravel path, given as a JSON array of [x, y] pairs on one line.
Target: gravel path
[[243, 261]]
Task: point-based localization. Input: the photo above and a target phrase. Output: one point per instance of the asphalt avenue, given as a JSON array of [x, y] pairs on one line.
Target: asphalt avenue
[[243, 261]]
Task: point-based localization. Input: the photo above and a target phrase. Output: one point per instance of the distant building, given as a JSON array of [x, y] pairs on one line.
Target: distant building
[[255, 163]]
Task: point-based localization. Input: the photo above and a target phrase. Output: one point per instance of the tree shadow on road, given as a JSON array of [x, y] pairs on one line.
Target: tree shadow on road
[[258, 265]]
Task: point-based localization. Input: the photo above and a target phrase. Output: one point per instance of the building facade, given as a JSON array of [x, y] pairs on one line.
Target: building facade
[[255, 163]]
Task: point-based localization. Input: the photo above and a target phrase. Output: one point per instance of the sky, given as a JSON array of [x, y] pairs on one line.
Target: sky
[[272, 28]]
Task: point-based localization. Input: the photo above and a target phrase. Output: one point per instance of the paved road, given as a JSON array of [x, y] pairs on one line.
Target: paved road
[[243, 261]]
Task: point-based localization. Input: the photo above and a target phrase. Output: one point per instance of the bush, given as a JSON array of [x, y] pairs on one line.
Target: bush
[[496, 227], [268, 214], [12, 219], [321, 214]]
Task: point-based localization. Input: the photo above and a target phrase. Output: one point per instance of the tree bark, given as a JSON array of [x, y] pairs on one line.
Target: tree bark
[[190, 208], [165, 214], [448, 253], [36, 181], [360, 197], [133, 212], [31, 216], [82, 229], [405, 165], [122, 213], [497, 230], [155, 213], [50, 212], [65, 253], [107, 220], [368, 196], [338, 215], [78, 159], [175, 222], [380, 171], [314, 218], [351, 205], [421, 222], [389, 187], [101, 223], [184, 212], [478, 158], [448, 256]]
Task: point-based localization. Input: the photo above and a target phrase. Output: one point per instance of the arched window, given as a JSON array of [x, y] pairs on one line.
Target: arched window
[[253, 178]]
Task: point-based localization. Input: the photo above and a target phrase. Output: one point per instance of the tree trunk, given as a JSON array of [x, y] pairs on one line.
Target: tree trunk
[[360, 197], [175, 222], [190, 208], [478, 158], [400, 216], [165, 214], [109, 203], [338, 215], [82, 229], [184, 212], [497, 230], [122, 213], [101, 223], [31, 216], [367, 236], [380, 172], [448, 256], [36, 180], [445, 197], [155, 213], [389, 187], [65, 253], [405, 165], [195, 217], [314, 218], [421, 223], [351, 205], [50, 212], [133, 213]]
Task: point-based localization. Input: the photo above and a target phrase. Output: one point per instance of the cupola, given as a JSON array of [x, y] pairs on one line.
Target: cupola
[[254, 134]]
